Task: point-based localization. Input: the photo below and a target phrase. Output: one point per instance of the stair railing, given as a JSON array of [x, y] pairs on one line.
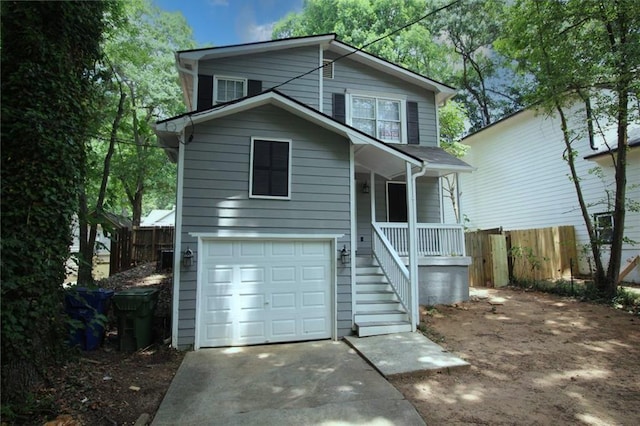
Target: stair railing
[[393, 268]]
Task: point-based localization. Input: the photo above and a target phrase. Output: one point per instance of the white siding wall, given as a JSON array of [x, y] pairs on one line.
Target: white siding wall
[[522, 181]]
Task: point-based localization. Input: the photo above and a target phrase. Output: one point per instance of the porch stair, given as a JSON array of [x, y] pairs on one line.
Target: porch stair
[[378, 310]]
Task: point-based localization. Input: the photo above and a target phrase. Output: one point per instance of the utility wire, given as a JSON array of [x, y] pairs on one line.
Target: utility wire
[[360, 49], [356, 50]]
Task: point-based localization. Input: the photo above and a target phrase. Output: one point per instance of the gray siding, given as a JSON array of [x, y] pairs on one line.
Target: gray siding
[[273, 68], [216, 185], [351, 75]]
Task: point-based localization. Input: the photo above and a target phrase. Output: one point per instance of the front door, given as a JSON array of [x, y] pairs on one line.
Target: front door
[[396, 202]]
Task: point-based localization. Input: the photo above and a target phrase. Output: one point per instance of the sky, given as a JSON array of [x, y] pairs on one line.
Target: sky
[[224, 22]]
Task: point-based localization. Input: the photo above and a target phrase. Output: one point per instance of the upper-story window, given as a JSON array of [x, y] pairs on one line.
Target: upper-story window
[[227, 89], [381, 117]]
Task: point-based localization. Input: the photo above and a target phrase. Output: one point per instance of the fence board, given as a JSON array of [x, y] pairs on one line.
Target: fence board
[[499, 264], [543, 254], [142, 244], [531, 254]]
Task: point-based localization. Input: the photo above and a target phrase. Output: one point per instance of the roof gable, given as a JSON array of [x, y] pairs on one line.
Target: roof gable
[[186, 60]]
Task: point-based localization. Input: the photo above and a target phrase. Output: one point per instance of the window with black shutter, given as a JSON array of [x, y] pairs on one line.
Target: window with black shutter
[[270, 168]]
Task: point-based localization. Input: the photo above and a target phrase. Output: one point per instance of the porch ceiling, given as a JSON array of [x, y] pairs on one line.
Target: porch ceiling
[[438, 162]]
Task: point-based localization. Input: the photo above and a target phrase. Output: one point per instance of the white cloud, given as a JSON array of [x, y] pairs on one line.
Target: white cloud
[[258, 32], [248, 29]]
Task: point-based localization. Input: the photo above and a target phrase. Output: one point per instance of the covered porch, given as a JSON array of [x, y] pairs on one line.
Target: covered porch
[[399, 229]]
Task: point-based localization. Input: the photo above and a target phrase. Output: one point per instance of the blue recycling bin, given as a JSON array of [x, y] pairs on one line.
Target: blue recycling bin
[[83, 305]]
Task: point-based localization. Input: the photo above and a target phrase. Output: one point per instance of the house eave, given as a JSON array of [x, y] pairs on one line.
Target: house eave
[[170, 132]]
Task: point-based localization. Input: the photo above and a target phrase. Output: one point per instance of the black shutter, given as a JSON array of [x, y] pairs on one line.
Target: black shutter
[[413, 131], [205, 91], [339, 107], [254, 87]]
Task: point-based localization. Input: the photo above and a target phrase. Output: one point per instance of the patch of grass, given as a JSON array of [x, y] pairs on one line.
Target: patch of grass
[[627, 300]]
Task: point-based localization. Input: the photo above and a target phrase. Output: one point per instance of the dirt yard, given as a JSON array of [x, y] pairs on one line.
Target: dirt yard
[[536, 359]]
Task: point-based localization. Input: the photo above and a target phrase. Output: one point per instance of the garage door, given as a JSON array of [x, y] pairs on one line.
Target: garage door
[[264, 291]]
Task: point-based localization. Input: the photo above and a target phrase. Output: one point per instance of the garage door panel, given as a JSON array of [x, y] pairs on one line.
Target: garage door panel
[[283, 249], [265, 291], [283, 328], [251, 329], [252, 250], [314, 326], [283, 301], [283, 274], [314, 299], [252, 274]]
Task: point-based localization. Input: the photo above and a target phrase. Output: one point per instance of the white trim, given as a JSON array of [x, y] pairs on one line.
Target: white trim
[[228, 78], [353, 240], [194, 96], [334, 293], [199, 280], [413, 246], [243, 235], [177, 259], [260, 47], [386, 194], [270, 197], [402, 101], [372, 193], [320, 79]]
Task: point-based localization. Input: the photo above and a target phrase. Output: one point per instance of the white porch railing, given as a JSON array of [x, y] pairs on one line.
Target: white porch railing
[[433, 239], [394, 269]]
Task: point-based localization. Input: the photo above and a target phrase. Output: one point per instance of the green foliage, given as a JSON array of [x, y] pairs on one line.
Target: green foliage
[[490, 89], [48, 54], [574, 51], [527, 253], [358, 22], [140, 52]]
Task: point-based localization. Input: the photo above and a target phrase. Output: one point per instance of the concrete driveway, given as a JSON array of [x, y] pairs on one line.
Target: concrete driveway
[[313, 383]]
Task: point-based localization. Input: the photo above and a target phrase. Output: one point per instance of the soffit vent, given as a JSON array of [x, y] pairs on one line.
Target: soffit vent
[[327, 68]]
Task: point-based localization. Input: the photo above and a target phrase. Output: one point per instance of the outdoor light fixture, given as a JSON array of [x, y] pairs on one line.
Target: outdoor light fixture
[[344, 255], [365, 187], [187, 258]]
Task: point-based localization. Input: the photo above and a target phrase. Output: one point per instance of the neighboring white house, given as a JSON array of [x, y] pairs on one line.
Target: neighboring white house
[[160, 217], [522, 180]]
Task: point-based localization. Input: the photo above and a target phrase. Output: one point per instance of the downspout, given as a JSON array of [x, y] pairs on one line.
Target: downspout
[[412, 211]]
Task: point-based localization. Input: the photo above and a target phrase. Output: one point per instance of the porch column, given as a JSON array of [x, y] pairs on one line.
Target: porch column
[[372, 195], [413, 247]]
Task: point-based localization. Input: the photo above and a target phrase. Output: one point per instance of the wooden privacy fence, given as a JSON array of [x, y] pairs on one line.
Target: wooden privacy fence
[[532, 254], [138, 245]]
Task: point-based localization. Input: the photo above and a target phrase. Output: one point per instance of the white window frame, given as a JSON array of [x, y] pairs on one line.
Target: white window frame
[[381, 96], [244, 82], [269, 197], [599, 228]]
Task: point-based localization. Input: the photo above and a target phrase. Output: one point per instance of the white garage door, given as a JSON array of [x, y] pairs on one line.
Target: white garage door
[[264, 291]]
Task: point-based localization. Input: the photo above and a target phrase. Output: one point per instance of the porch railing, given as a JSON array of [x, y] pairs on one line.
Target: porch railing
[[433, 239], [394, 269]]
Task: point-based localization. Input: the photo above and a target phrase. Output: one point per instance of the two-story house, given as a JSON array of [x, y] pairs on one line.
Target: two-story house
[[308, 200]]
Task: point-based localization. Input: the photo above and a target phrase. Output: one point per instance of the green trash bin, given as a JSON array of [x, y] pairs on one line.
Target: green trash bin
[[134, 309]]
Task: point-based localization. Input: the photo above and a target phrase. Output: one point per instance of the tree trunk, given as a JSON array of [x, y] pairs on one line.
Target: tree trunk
[[599, 276], [88, 242]]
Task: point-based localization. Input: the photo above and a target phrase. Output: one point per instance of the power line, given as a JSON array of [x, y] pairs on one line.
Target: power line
[[357, 49], [360, 49]]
